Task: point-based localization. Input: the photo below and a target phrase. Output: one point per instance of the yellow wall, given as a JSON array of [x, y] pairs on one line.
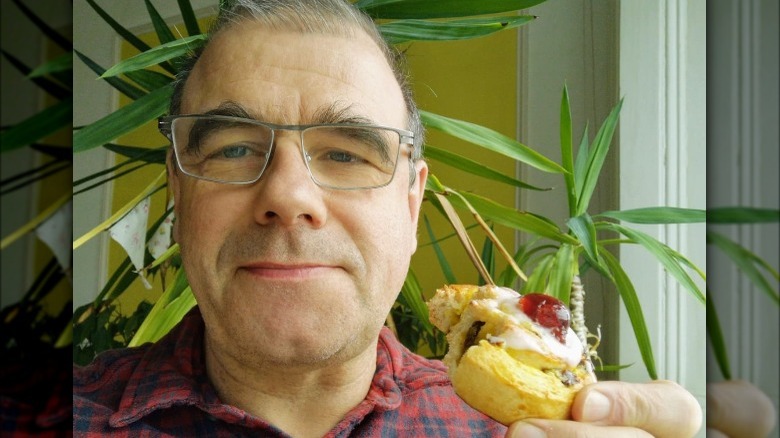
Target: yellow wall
[[473, 80]]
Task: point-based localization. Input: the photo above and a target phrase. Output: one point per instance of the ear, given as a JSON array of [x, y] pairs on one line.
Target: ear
[[417, 194], [173, 186]]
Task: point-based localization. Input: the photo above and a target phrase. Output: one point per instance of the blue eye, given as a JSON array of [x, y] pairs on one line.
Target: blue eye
[[342, 157], [234, 152]]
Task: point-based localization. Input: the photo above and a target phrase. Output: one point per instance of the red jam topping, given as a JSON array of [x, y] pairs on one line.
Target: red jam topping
[[548, 312]]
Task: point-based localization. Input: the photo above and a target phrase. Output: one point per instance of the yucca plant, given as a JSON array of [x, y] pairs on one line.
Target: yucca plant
[[35, 373], [553, 258], [758, 271]]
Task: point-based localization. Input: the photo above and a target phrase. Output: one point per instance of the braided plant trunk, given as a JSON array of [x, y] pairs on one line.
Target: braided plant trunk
[[577, 306]]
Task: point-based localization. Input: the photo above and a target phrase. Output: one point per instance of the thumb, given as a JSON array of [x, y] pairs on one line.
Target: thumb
[[738, 408], [662, 408]]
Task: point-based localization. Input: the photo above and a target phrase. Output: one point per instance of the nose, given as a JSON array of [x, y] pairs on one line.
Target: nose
[[286, 194]]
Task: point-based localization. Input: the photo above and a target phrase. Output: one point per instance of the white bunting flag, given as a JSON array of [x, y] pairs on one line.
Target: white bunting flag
[[57, 233], [130, 232]]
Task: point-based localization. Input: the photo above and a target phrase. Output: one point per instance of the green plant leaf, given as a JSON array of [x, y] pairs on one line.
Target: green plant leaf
[[150, 80], [658, 215], [746, 262], [61, 63], [118, 274], [741, 215], [489, 260], [634, 310], [452, 216], [581, 162], [434, 185], [440, 8], [169, 309], [188, 15], [582, 227], [53, 88], [663, 254], [609, 368], [567, 152], [112, 177], [509, 217], [35, 175], [58, 152], [538, 279], [563, 269], [474, 167], [120, 85], [31, 172], [137, 153], [38, 126], [123, 120], [715, 336], [413, 295], [596, 157], [446, 269], [47, 30], [157, 55], [144, 155], [488, 229], [401, 31], [489, 139], [160, 26]]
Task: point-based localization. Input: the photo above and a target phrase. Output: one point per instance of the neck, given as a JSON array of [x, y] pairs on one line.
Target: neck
[[284, 394]]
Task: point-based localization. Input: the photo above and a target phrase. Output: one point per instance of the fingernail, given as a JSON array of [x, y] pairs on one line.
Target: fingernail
[[527, 430], [597, 407]]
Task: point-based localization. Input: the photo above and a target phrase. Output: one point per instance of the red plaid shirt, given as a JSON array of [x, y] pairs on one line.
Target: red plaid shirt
[[162, 390]]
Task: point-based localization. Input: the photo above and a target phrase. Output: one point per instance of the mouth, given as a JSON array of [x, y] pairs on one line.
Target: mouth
[[287, 271]]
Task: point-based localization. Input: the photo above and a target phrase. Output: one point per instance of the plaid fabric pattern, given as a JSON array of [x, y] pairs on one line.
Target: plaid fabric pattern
[[35, 398], [162, 390]]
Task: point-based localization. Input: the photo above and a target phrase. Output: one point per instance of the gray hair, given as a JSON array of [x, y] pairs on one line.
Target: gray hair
[[330, 17]]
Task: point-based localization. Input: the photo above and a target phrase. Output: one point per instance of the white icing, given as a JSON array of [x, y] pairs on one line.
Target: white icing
[[517, 337]]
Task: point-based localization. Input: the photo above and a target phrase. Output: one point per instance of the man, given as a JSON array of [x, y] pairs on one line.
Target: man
[[298, 178]]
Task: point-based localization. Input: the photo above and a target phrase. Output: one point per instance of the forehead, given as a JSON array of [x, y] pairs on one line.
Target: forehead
[[288, 76]]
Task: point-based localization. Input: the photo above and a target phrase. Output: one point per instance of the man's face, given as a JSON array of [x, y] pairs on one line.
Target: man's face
[[283, 269]]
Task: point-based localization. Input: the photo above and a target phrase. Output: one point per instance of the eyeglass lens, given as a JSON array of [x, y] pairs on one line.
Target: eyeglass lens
[[227, 149]]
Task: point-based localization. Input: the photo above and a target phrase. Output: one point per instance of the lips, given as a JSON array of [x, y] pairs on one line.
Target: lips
[[291, 271]]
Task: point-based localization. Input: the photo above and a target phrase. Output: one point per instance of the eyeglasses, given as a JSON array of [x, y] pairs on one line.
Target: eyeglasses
[[235, 150]]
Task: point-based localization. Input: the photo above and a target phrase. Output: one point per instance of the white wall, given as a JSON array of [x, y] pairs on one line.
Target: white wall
[[653, 55], [743, 112], [663, 162]]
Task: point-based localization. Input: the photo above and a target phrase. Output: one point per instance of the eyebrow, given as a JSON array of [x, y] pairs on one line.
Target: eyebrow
[[335, 113], [204, 127]]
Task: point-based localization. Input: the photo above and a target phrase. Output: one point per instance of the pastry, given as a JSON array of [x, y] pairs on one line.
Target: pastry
[[510, 356]]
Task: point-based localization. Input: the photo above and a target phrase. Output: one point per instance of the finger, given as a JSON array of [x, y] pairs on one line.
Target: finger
[[662, 408], [737, 408], [571, 429]]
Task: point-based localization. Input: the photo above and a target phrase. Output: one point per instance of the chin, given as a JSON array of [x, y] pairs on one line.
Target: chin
[[310, 350]]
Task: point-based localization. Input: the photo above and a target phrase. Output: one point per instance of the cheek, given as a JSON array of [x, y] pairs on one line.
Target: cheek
[[203, 220], [385, 234]]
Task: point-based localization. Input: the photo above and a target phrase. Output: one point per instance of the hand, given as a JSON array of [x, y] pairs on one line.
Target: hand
[[658, 409], [737, 409]]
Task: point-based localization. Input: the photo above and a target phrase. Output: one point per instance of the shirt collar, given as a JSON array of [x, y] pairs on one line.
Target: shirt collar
[[172, 373]]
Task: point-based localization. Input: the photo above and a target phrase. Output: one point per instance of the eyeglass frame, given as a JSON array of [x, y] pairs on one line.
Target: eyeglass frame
[[165, 126]]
